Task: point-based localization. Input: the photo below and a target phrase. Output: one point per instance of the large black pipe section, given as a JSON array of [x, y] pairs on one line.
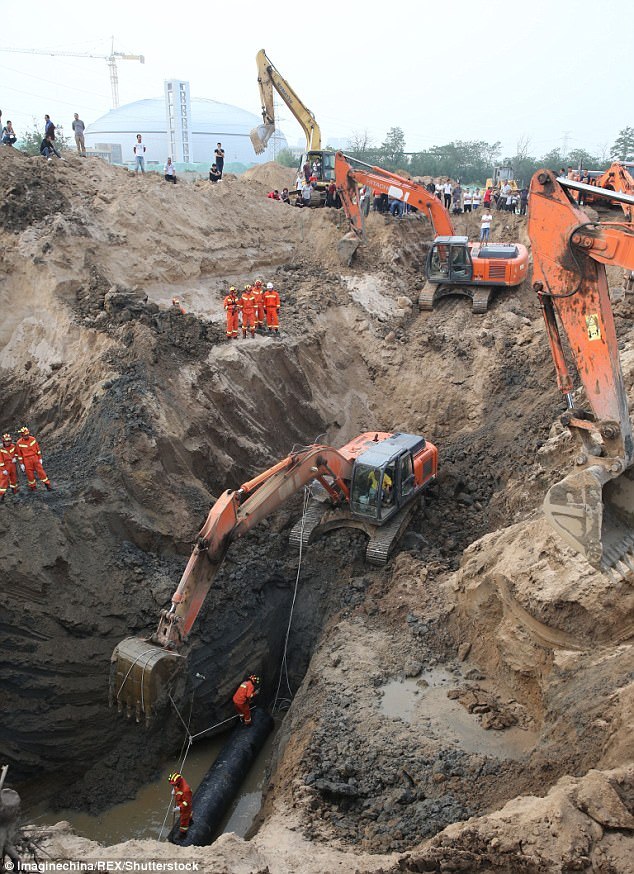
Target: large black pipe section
[[222, 782]]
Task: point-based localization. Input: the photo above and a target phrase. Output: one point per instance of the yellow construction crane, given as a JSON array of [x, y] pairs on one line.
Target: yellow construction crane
[[111, 59]]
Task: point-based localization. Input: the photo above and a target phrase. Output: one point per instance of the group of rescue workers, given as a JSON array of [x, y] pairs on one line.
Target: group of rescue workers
[[26, 454], [244, 695], [257, 307]]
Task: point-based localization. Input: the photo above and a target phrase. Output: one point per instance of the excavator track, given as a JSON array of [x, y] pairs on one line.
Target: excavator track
[[385, 538], [480, 300], [432, 294], [302, 531]]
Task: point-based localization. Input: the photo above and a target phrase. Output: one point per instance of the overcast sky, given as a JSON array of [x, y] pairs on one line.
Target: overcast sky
[[442, 71]]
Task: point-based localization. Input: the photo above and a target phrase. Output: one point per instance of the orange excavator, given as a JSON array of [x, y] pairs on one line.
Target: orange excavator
[[370, 484], [454, 265], [592, 508], [618, 177]]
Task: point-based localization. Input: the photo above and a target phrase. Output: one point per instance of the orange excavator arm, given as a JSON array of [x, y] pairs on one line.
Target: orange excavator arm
[[569, 254], [235, 513], [348, 178]]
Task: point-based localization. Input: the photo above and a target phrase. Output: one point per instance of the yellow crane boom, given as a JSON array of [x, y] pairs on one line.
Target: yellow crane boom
[[269, 78]]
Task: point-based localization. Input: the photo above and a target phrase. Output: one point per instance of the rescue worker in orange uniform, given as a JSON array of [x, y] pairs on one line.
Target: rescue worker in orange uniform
[[232, 308], [258, 294], [247, 308], [30, 459], [8, 454], [183, 798], [272, 308], [4, 478], [244, 694], [177, 306]]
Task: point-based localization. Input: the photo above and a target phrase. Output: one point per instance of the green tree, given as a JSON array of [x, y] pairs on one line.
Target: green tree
[[286, 158], [29, 142], [623, 148], [393, 147]]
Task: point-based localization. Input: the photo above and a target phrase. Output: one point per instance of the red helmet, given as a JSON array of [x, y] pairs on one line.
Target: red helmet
[[6, 438], [24, 430]]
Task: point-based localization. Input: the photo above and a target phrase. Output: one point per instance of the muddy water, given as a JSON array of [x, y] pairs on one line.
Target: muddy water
[[144, 816], [448, 720]]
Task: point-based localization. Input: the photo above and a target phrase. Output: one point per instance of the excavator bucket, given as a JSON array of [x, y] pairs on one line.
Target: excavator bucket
[[593, 511], [260, 136], [140, 674]]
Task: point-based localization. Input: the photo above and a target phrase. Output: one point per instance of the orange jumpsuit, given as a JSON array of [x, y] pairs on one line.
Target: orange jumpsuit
[[258, 294], [4, 478], [247, 307], [232, 309], [30, 455], [272, 307], [8, 455], [243, 695], [183, 798]]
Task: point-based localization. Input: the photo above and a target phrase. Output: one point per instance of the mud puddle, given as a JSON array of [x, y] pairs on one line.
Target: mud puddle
[[449, 721], [144, 816]]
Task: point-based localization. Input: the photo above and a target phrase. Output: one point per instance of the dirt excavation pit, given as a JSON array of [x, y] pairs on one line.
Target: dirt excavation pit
[[468, 707]]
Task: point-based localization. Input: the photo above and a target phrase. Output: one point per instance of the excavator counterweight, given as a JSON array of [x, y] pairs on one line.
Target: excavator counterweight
[[370, 484], [592, 509]]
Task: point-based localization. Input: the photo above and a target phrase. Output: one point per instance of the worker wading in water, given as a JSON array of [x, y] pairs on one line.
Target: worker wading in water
[[183, 801], [232, 309], [8, 454], [30, 459], [245, 693], [272, 308], [247, 308], [258, 294]]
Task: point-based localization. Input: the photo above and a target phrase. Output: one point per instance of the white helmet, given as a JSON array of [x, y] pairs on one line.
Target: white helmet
[[269, 285]]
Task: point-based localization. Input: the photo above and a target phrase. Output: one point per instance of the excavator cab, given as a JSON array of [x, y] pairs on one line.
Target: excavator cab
[[324, 164], [449, 261], [373, 495]]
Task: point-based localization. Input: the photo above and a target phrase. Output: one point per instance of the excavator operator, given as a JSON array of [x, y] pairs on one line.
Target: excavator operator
[[183, 801], [387, 491], [244, 694]]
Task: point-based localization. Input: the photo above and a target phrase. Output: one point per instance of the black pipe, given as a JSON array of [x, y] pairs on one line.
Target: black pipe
[[221, 783]]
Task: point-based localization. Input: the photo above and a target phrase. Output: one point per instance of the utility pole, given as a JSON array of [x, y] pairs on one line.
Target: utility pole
[[566, 137]]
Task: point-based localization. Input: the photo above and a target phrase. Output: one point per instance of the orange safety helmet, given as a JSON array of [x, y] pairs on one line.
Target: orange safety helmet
[[174, 777], [254, 679], [247, 288], [258, 282], [24, 430], [6, 438]]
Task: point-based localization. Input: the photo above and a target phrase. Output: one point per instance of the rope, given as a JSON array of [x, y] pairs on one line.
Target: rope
[[189, 739], [284, 664]]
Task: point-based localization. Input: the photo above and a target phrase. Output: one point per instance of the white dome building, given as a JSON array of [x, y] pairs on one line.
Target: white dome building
[[185, 129]]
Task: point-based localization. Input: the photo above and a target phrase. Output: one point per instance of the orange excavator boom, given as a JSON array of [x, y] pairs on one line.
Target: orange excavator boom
[[569, 254], [348, 178]]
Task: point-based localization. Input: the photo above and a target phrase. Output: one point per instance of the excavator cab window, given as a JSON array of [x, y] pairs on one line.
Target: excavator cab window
[[328, 167], [461, 266], [439, 262], [373, 491], [406, 474]]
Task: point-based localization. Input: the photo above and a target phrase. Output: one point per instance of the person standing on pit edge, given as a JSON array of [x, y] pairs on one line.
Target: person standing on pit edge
[[258, 294], [8, 454], [232, 309], [183, 801], [4, 478], [220, 158], [272, 308], [49, 134], [78, 129], [247, 308], [139, 156], [30, 459]]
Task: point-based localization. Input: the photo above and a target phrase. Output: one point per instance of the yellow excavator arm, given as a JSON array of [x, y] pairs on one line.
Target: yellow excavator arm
[[268, 79]]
